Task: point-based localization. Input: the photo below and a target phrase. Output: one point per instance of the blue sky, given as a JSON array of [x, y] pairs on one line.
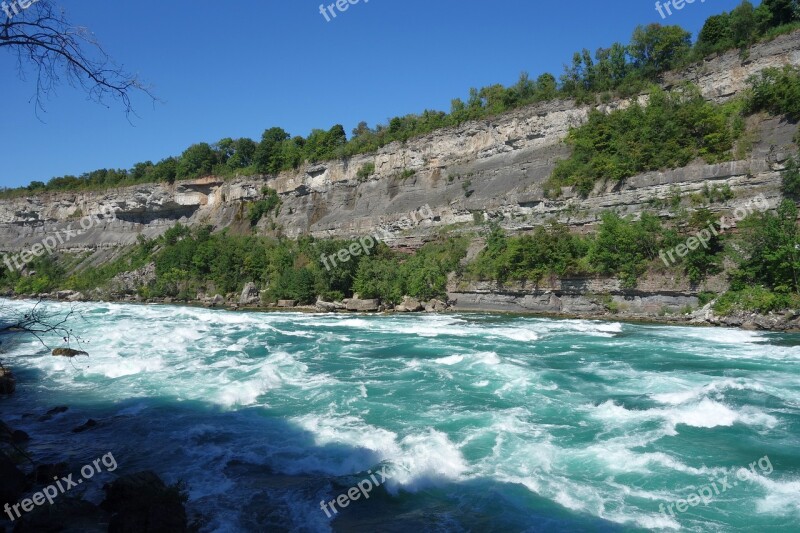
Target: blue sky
[[235, 68]]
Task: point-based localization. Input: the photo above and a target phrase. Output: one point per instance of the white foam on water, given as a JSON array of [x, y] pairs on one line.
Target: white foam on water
[[706, 413], [782, 498], [123, 366], [714, 335], [715, 389], [590, 328], [487, 358], [427, 459], [516, 334], [450, 360], [350, 431], [232, 360]]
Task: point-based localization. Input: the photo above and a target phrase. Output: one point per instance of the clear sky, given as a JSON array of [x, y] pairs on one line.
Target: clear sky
[[235, 68]]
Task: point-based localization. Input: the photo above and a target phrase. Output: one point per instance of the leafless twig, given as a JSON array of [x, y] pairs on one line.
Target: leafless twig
[[46, 43]]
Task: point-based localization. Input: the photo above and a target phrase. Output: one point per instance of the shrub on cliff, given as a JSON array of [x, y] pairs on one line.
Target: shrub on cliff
[[670, 131], [553, 250], [269, 203], [624, 248], [776, 91], [769, 243]]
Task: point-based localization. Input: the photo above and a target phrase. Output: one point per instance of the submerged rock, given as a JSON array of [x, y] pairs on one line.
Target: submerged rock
[[13, 482], [53, 412], [46, 473], [9, 435], [142, 502], [68, 352], [83, 427], [66, 515], [8, 383]]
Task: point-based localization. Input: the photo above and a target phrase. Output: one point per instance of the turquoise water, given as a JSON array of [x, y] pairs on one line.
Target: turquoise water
[[483, 423]]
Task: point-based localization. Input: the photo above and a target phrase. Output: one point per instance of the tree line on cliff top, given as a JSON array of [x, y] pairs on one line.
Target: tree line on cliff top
[[619, 70]]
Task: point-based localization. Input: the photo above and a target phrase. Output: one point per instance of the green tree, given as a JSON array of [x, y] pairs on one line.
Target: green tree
[[778, 12], [790, 181], [268, 156], [546, 87], [656, 48], [379, 277], [624, 247], [770, 242], [670, 131], [776, 91], [166, 170], [242, 153], [198, 160], [744, 26], [706, 259], [715, 36]]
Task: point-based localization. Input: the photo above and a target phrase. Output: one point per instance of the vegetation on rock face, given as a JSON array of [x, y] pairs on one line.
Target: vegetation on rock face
[[188, 262], [673, 129], [619, 69], [548, 251], [777, 91], [269, 203], [367, 170], [670, 131], [745, 25], [790, 181]]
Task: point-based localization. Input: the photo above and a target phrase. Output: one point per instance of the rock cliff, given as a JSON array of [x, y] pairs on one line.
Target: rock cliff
[[492, 169]]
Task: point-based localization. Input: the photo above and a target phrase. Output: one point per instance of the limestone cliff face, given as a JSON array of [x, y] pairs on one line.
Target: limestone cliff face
[[493, 168]]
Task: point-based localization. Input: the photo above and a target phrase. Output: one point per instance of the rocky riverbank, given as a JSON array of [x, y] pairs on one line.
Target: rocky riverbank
[[667, 309], [34, 502]]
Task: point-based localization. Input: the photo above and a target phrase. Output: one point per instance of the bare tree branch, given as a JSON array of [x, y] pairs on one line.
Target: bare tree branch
[[39, 323], [47, 43]]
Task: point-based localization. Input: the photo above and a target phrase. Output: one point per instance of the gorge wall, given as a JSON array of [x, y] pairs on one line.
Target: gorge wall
[[491, 169]]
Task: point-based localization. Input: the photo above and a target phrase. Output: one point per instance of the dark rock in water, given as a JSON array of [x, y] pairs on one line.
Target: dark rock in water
[[45, 473], [12, 436], [68, 352], [6, 433], [89, 424], [12, 481], [66, 515], [8, 384], [143, 503], [53, 412]]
